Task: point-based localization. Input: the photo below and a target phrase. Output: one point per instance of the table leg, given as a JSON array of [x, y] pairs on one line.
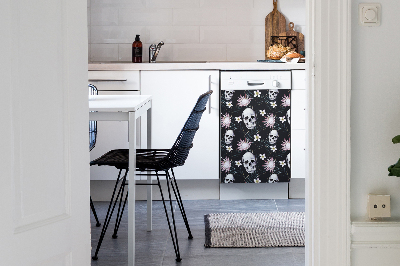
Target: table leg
[[132, 190], [149, 178]]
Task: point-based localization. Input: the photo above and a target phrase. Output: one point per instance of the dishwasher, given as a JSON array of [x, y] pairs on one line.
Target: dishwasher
[[255, 126]]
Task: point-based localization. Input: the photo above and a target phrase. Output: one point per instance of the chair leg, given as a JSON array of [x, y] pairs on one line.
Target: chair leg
[[120, 211], [109, 212], [180, 203], [94, 213], [174, 239]]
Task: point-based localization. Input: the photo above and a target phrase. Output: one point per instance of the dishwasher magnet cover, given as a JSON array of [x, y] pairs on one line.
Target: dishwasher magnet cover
[[255, 136]]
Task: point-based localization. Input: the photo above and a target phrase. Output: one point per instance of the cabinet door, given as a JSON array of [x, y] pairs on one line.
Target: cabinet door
[[174, 96], [112, 134]]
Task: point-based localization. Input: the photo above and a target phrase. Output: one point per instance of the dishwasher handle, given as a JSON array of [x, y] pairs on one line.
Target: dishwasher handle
[[249, 83]]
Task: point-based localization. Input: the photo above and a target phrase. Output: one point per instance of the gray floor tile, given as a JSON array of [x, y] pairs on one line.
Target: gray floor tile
[[155, 248]]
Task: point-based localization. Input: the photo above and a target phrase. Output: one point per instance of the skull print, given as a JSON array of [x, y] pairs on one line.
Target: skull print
[[272, 94], [228, 95], [273, 178], [249, 162], [229, 136], [273, 136], [249, 118], [229, 178]]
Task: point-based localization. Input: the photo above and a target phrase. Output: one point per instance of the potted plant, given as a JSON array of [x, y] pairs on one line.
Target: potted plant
[[394, 170]]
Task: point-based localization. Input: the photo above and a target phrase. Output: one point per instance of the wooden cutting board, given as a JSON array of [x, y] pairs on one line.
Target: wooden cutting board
[[292, 32], [275, 23]]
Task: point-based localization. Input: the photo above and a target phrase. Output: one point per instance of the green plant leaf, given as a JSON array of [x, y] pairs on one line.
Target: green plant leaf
[[394, 170], [396, 139]]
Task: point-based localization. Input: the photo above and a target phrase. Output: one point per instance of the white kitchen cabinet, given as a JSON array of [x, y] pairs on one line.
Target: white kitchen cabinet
[[174, 96], [112, 134]]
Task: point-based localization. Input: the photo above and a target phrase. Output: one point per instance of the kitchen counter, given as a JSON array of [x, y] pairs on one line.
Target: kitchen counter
[[195, 66]]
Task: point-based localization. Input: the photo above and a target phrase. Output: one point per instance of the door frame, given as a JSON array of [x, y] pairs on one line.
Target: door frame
[[328, 221]]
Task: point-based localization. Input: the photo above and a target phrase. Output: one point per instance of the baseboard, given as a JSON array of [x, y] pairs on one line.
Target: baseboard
[[254, 191], [297, 188], [101, 190]]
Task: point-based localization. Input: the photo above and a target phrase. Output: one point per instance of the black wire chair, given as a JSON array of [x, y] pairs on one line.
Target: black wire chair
[[149, 161], [92, 143]]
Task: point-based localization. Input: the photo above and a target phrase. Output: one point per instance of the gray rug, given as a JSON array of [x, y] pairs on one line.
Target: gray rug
[[271, 229]]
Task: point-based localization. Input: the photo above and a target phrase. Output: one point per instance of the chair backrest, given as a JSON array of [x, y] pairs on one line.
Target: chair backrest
[[180, 150], [92, 124]]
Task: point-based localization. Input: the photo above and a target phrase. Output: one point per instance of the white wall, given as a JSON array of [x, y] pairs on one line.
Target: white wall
[[375, 120], [375, 108], [193, 30]]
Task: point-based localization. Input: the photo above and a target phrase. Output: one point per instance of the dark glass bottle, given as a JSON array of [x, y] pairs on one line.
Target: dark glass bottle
[[137, 50]]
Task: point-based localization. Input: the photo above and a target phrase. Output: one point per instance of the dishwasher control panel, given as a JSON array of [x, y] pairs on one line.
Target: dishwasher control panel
[[257, 80]]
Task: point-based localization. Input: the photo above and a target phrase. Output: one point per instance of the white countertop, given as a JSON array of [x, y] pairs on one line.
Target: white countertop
[[196, 66]]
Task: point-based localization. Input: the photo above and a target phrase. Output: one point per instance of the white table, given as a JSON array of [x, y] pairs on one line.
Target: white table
[[127, 108]]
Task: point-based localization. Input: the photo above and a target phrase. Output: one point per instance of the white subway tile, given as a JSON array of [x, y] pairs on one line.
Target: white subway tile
[[173, 34], [105, 16], [239, 4], [226, 3], [104, 52], [200, 16], [214, 3], [246, 17], [172, 3], [115, 34], [246, 53], [119, 3], [265, 4], [125, 52], [199, 52], [258, 35], [145, 17], [224, 34], [293, 10]]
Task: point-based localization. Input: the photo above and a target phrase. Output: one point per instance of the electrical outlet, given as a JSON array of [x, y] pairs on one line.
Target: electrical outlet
[[378, 206]]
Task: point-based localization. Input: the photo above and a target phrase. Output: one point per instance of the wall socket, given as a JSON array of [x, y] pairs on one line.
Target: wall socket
[[378, 206]]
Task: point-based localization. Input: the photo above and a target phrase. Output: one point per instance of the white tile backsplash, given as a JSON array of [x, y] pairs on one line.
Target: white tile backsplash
[[246, 17], [103, 52], [199, 52], [115, 34], [119, 3], [224, 34], [192, 30], [199, 16], [249, 52], [172, 3], [125, 52], [105, 16], [173, 34], [145, 17]]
